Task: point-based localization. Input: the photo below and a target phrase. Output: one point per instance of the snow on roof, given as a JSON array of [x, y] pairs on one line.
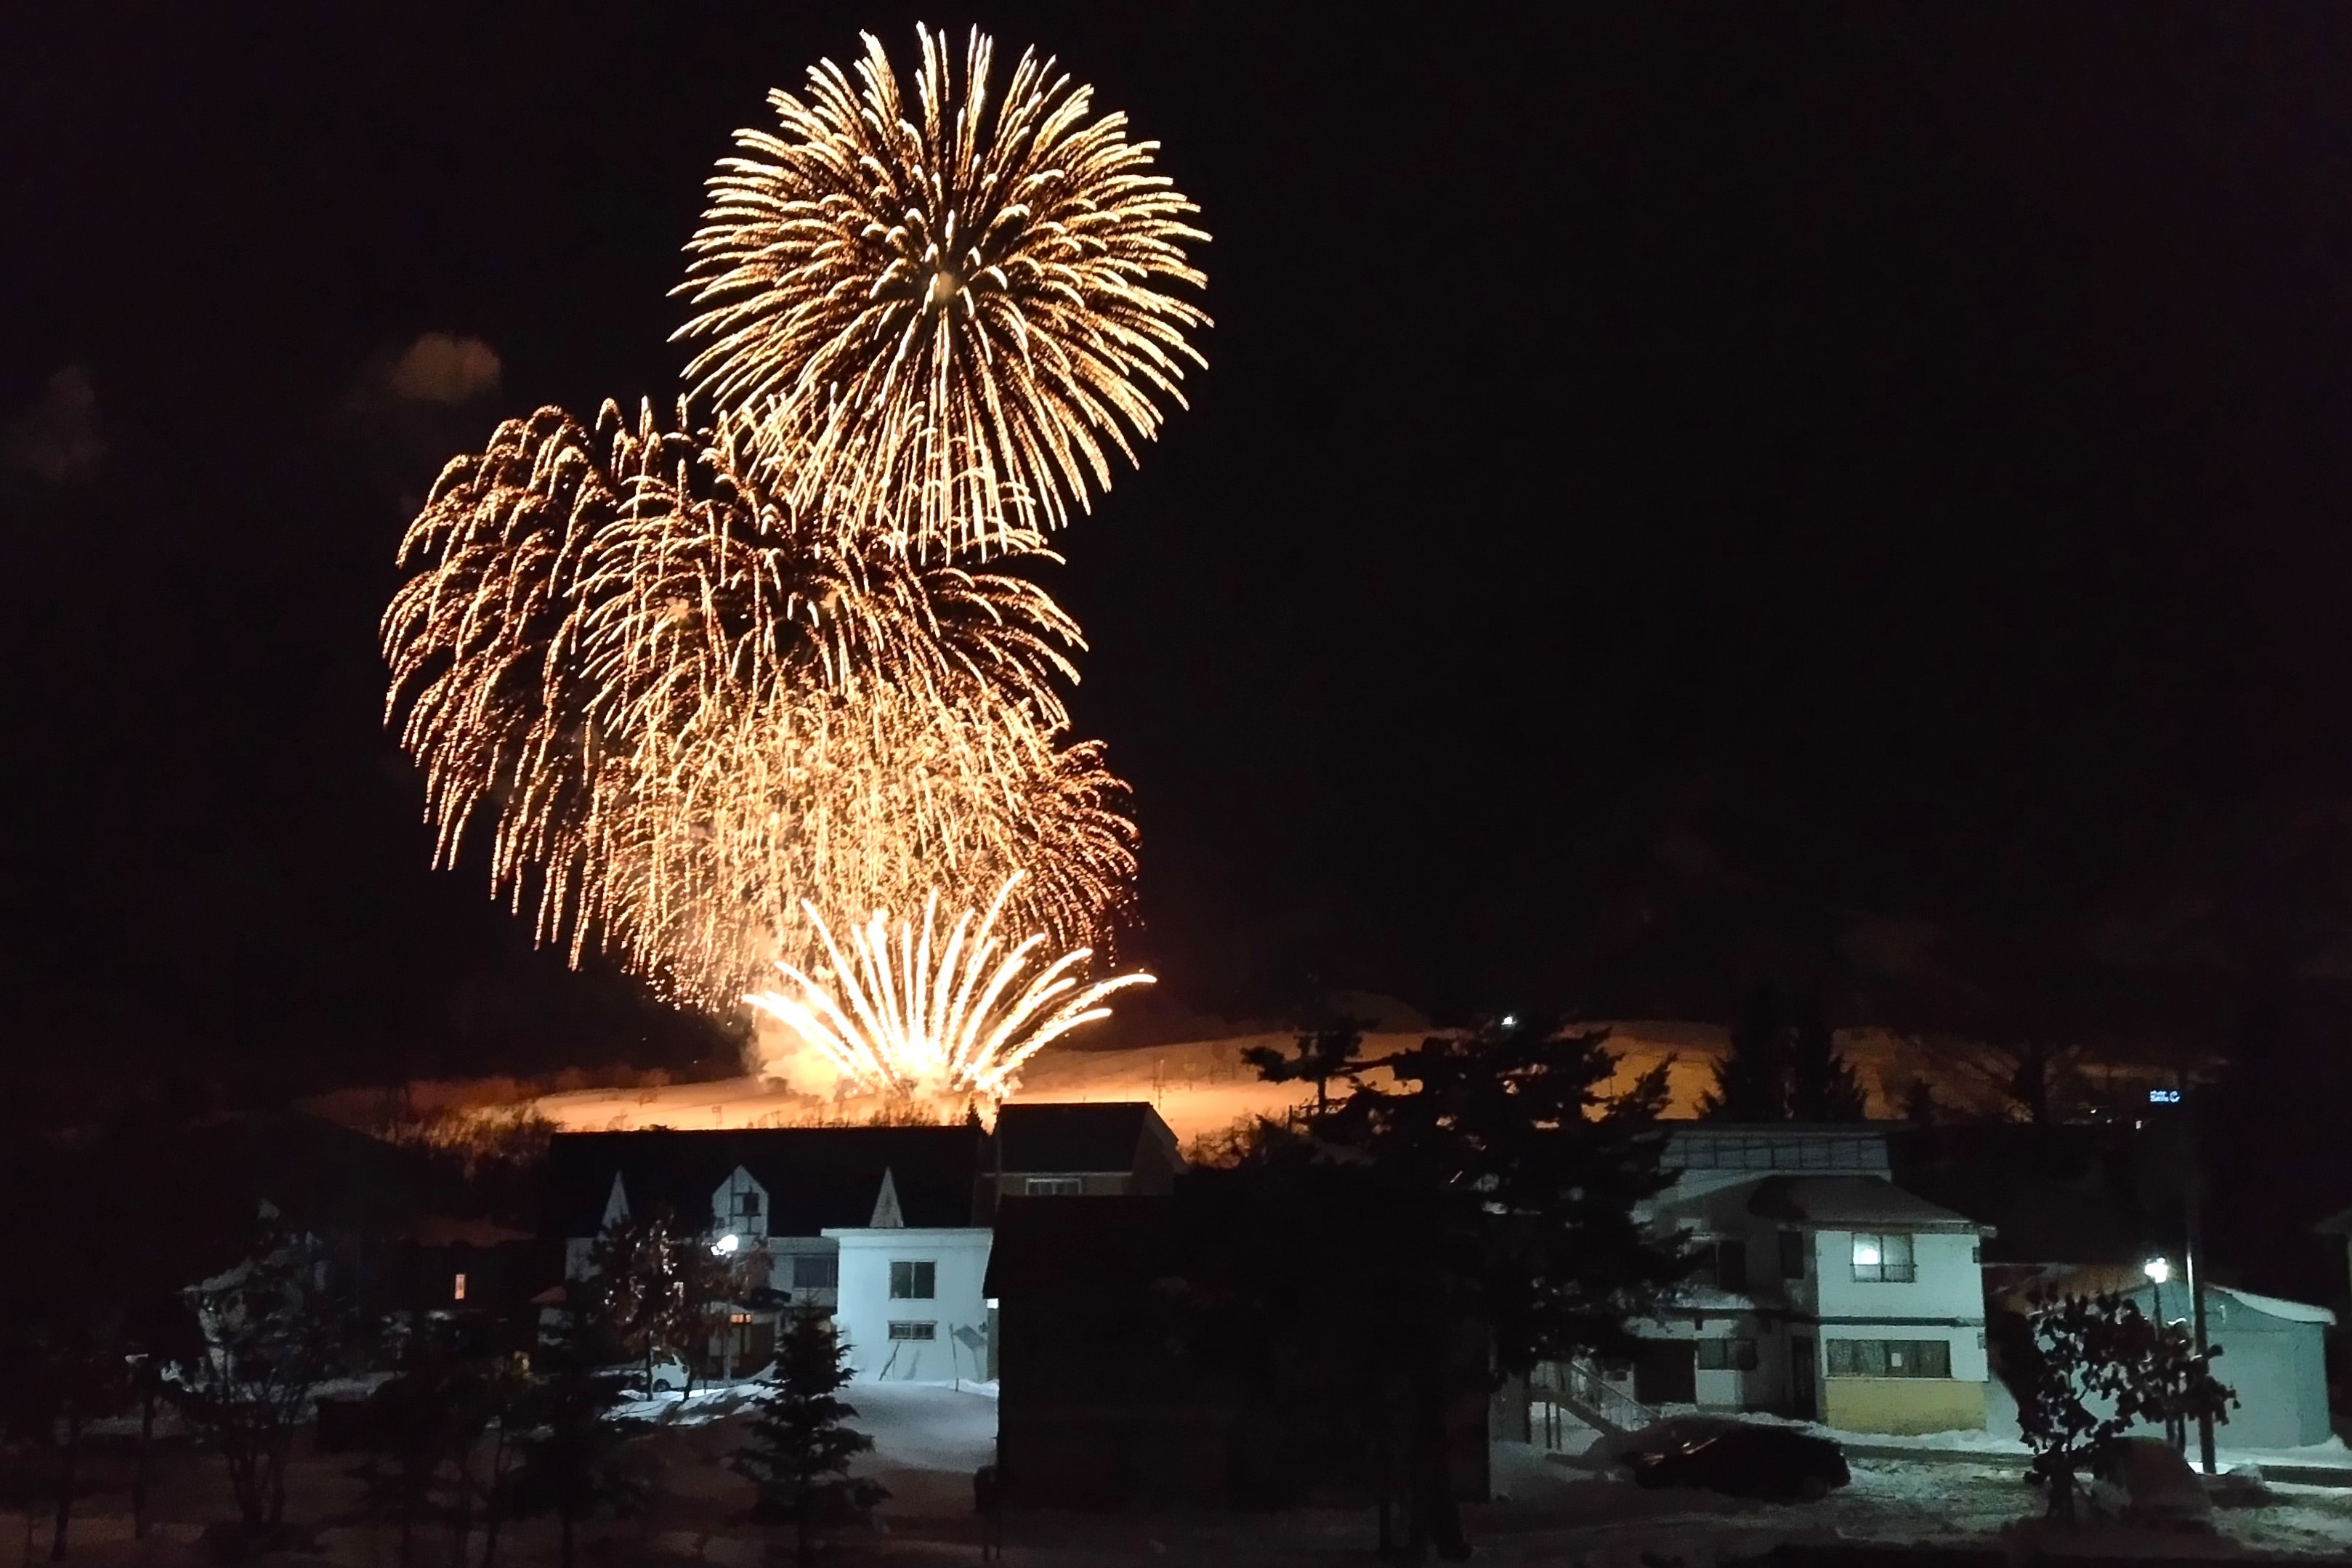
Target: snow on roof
[[2277, 1307], [1838, 1203]]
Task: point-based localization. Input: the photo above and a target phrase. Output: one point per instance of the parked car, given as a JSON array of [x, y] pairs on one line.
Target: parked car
[[1741, 1458], [2147, 1481], [669, 1374]]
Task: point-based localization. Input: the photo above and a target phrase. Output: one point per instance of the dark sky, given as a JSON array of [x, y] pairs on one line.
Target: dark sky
[[1677, 495]]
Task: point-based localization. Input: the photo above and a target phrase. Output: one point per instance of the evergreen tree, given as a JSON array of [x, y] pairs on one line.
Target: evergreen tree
[[1821, 1084], [1503, 1183], [801, 1445], [1751, 1082], [1316, 1055], [573, 1451]]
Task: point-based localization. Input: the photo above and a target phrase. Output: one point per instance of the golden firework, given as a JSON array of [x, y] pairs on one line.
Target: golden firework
[[936, 318], [689, 714], [946, 1014]]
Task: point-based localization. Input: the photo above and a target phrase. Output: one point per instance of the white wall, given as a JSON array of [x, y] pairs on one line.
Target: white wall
[[1945, 1283], [863, 1310]]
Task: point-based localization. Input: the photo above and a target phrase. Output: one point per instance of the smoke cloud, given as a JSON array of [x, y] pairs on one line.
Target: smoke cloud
[[442, 368], [57, 437]]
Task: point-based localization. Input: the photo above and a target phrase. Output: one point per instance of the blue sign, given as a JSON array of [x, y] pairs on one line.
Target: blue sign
[[2164, 1096]]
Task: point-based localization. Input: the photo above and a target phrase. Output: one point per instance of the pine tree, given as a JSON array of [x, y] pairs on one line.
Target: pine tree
[[1505, 1183], [1751, 1082], [1317, 1057], [574, 1458], [800, 1445], [1821, 1084]]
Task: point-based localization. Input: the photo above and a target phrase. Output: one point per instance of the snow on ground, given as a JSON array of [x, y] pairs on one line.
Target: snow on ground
[[1201, 1087], [929, 1438]]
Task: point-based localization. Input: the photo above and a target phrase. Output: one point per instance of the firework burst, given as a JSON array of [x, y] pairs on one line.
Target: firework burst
[[951, 1014], [940, 319], [688, 714], [704, 689]]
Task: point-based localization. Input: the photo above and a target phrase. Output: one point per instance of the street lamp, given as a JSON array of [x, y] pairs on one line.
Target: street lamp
[[2158, 1270]]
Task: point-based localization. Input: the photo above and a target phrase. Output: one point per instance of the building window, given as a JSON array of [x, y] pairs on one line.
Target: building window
[[739, 1317], [914, 1331], [914, 1283], [1731, 1264], [457, 1289], [1056, 1186], [1890, 1358], [816, 1271], [747, 1205], [1735, 1354], [1884, 1257], [1792, 1255]]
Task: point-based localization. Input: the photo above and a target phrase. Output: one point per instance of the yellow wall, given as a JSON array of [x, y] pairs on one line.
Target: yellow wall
[[1903, 1404]]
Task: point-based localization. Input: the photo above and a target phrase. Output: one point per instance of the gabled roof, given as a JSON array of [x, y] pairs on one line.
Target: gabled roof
[[1079, 1137], [815, 1177], [1850, 1202]]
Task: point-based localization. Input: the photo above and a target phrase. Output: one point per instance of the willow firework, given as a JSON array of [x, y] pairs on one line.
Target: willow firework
[[938, 321], [689, 714], [945, 1014]]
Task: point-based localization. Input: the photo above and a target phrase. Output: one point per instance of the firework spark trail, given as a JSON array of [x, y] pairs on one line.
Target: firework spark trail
[[688, 714], [710, 687], [940, 323], [947, 1018]]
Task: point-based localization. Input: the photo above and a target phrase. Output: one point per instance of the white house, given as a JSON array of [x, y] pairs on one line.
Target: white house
[[789, 1195], [911, 1307], [1827, 1292]]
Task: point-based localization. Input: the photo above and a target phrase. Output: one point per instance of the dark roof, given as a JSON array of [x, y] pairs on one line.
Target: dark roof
[[1842, 1203], [816, 1177], [1078, 1136]]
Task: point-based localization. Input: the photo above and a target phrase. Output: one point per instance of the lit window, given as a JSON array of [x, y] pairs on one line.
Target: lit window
[[914, 1331], [1056, 1186], [457, 1289], [1886, 1256], [913, 1281], [738, 1317]]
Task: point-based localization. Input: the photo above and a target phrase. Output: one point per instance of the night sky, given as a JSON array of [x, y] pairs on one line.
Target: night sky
[[1678, 497]]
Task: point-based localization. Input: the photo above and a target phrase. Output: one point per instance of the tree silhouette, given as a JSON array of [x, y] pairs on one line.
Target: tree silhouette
[[1783, 1066], [1751, 1082], [1822, 1086], [802, 1443], [1317, 1057], [2102, 1367]]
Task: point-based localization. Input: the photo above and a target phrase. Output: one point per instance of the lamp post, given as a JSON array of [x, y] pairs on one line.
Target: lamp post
[[2158, 1269]]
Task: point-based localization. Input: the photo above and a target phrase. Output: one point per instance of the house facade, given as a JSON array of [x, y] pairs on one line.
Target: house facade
[[1826, 1292], [1115, 1148], [801, 1198], [886, 1230]]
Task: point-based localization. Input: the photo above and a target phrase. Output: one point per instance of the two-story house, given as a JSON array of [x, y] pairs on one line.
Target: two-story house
[[1826, 1291], [884, 1229], [876, 1227]]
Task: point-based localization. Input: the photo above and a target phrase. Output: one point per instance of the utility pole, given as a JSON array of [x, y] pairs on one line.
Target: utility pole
[[2195, 1182]]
